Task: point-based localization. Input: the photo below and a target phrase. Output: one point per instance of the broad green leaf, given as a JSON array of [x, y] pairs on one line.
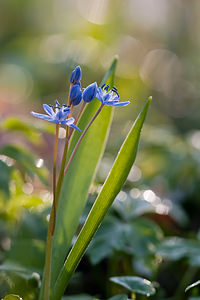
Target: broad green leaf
[[140, 237], [32, 130], [22, 127], [131, 208], [79, 177], [110, 237], [12, 297], [144, 237], [175, 248], [5, 176], [119, 297], [109, 191], [35, 258], [192, 285], [135, 284], [25, 160], [24, 273]]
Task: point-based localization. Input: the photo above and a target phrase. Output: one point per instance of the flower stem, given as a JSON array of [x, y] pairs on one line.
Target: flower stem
[[81, 137], [61, 174], [80, 112], [77, 118], [54, 178], [62, 168], [51, 227], [64, 157]]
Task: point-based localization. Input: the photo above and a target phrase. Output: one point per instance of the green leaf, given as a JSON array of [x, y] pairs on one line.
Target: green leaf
[[5, 176], [135, 284], [111, 236], [18, 253], [79, 177], [109, 191], [140, 237], [192, 285], [175, 248], [22, 127], [119, 297], [12, 297], [27, 275], [32, 130], [25, 161]]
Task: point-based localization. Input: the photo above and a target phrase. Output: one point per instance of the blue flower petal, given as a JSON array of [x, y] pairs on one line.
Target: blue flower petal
[[121, 103], [48, 109], [68, 121], [116, 97], [54, 121], [41, 116], [99, 95], [75, 127]]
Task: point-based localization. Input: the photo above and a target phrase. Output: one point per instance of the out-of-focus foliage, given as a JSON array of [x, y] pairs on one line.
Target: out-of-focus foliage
[[154, 222]]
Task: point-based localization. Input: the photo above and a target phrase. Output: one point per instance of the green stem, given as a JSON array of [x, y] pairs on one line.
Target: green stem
[[81, 137], [62, 168], [64, 157], [51, 227], [78, 117]]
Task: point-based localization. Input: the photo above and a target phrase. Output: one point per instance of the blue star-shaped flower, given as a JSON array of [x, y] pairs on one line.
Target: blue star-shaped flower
[[58, 116], [111, 97]]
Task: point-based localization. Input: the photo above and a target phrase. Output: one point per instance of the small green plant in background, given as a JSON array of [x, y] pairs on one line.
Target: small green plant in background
[[82, 152]]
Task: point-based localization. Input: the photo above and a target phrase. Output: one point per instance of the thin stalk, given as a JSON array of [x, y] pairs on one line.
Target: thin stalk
[[54, 177], [81, 137], [80, 112], [62, 168], [51, 226], [64, 157], [78, 117], [69, 99]]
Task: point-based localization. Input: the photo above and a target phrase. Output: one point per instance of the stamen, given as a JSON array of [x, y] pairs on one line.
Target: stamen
[[57, 103], [106, 87], [103, 85], [114, 88], [116, 92]]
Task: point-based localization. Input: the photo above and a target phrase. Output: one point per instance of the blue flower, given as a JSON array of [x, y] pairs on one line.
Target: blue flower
[[75, 94], [76, 75], [90, 92], [109, 97], [58, 116]]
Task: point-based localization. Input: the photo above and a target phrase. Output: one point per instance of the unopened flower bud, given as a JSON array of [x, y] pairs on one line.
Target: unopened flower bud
[[76, 75], [90, 92], [75, 94]]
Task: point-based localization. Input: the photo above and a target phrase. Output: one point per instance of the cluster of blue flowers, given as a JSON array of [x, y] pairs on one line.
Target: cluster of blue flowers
[[59, 113]]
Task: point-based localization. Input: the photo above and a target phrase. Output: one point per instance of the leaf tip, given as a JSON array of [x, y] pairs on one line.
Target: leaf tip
[[150, 98]]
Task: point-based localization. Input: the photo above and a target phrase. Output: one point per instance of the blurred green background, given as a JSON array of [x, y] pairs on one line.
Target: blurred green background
[[158, 44]]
